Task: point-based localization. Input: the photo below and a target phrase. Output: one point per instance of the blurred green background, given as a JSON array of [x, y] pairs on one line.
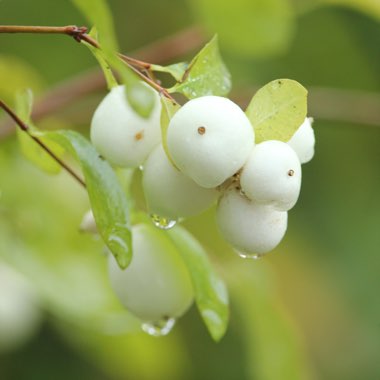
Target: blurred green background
[[309, 310]]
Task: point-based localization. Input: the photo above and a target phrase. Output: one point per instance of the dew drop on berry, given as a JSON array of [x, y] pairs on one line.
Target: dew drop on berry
[[244, 255], [160, 328], [162, 222]]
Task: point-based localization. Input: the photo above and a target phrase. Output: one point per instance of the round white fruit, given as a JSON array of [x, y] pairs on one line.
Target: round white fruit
[[88, 223], [20, 315], [156, 285], [303, 141], [252, 229], [169, 193], [122, 136], [272, 175], [209, 139]]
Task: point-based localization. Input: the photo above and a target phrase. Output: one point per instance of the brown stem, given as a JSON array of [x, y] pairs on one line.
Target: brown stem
[[80, 34], [153, 84], [77, 32], [135, 62], [24, 127], [78, 87]]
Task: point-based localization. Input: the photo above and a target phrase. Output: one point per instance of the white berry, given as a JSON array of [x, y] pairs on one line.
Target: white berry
[[156, 285], [209, 139], [88, 223], [303, 141], [122, 136], [169, 193], [20, 315], [252, 229], [272, 175]]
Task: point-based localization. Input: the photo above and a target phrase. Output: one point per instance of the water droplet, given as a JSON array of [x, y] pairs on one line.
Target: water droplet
[[141, 167], [159, 328], [245, 255], [162, 222]]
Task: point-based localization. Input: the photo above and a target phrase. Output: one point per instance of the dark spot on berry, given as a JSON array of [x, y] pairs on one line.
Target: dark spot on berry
[[139, 136], [201, 130], [291, 173]]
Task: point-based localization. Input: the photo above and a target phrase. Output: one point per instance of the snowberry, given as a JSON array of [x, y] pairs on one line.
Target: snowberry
[[209, 139], [88, 223], [272, 175], [156, 285], [20, 315], [168, 192], [252, 229], [122, 136], [303, 141]]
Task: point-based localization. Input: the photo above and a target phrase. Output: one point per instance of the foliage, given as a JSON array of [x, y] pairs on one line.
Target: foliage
[[323, 284]]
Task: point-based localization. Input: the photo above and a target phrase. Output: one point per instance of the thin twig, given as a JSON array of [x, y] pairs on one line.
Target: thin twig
[[78, 87], [74, 31], [79, 33], [24, 127]]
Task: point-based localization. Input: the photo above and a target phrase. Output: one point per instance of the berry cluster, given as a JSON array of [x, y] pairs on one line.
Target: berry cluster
[[210, 156], [212, 150]]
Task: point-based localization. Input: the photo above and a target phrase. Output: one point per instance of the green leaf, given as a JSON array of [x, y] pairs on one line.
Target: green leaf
[[18, 75], [24, 105], [30, 149], [277, 110], [100, 57], [206, 74], [210, 292], [177, 70], [140, 97], [98, 13], [369, 7], [108, 201], [249, 28], [168, 109]]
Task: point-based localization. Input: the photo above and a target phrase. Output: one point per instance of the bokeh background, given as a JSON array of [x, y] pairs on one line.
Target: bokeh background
[[309, 310]]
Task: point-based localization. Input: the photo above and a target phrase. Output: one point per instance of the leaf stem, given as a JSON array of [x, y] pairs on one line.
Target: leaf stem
[[24, 127]]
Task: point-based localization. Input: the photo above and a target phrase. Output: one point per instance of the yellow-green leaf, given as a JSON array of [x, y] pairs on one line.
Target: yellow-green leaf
[[177, 70], [206, 74], [15, 76], [107, 198], [98, 13], [210, 292], [30, 149], [168, 109], [277, 110], [100, 57], [249, 28]]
